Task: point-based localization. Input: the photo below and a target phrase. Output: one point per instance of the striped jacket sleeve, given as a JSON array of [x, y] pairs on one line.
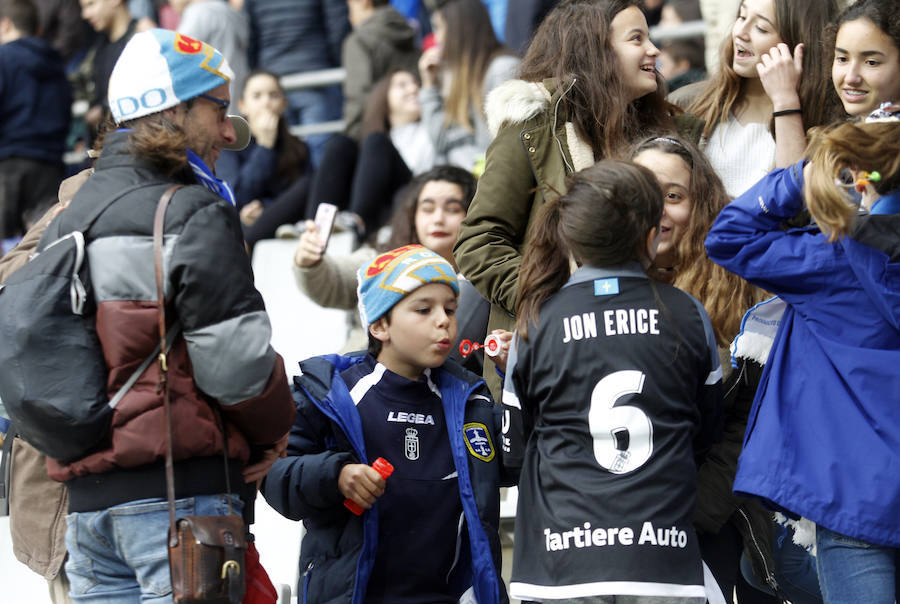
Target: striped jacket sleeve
[[226, 326]]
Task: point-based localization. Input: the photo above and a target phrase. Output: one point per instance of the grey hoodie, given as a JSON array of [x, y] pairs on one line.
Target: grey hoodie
[[382, 42]]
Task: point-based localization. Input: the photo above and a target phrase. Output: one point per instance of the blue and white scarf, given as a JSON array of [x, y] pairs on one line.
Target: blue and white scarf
[[206, 178]]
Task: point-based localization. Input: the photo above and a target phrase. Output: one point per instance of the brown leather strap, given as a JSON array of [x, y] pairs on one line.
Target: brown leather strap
[[163, 387], [221, 422]]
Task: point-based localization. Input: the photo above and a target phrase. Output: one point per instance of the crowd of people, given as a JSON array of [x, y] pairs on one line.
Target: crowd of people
[[664, 305]]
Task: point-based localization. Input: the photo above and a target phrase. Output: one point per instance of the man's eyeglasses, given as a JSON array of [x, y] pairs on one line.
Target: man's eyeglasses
[[220, 102]]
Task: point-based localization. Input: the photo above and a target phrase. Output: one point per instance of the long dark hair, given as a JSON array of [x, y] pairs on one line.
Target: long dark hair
[[293, 154], [574, 41], [797, 21], [403, 222], [603, 220]]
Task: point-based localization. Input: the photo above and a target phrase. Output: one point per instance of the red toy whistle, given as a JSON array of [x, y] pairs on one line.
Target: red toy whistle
[[491, 346], [383, 467]]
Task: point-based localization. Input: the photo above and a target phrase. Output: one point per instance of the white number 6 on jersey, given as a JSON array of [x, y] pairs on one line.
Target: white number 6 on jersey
[[623, 435]]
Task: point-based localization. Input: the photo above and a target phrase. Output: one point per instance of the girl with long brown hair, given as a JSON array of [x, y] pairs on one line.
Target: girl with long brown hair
[[588, 88], [612, 387], [694, 196], [770, 87], [726, 526], [465, 64]]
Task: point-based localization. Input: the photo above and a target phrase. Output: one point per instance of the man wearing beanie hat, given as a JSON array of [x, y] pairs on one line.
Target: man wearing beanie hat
[[429, 531], [168, 95]]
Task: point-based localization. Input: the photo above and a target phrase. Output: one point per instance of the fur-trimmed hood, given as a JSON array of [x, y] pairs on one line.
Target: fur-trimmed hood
[[517, 101]]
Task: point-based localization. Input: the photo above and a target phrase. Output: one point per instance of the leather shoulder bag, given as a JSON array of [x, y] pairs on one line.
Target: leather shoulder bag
[[206, 553]]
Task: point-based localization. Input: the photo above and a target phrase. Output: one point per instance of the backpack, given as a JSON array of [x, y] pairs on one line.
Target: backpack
[[52, 369]]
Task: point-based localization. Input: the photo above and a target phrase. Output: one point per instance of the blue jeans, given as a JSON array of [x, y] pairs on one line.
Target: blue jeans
[[853, 571], [120, 554], [314, 106]]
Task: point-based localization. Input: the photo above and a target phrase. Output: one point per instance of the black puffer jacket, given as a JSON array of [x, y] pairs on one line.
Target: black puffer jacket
[[222, 358]]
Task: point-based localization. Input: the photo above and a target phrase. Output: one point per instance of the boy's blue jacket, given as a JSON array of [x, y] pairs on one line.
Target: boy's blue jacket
[[338, 550], [823, 438]]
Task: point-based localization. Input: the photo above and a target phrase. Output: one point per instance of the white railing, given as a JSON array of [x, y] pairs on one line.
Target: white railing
[[315, 79], [690, 29]]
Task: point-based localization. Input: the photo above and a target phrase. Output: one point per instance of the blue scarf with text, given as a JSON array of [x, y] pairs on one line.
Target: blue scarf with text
[[206, 178]]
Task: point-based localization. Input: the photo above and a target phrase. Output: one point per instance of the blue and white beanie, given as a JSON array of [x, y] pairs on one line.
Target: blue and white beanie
[[392, 275], [159, 69]]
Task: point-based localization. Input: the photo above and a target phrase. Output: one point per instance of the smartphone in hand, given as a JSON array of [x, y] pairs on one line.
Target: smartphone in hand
[[324, 220]]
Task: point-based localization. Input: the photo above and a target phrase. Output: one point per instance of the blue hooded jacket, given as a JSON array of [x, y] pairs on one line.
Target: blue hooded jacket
[[823, 437], [338, 550]]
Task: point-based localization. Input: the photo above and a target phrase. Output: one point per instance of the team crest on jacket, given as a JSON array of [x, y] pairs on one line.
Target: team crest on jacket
[[411, 442], [478, 441]]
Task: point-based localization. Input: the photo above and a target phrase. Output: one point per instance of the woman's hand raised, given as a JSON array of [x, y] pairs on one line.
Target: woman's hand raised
[[780, 73]]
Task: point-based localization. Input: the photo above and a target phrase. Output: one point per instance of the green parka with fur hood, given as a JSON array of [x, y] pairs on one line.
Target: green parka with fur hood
[[534, 148]]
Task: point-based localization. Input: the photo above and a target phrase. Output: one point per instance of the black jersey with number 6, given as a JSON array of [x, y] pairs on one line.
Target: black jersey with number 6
[[606, 404]]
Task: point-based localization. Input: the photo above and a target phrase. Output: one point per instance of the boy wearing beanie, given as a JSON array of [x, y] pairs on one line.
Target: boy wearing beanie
[[429, 532]]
